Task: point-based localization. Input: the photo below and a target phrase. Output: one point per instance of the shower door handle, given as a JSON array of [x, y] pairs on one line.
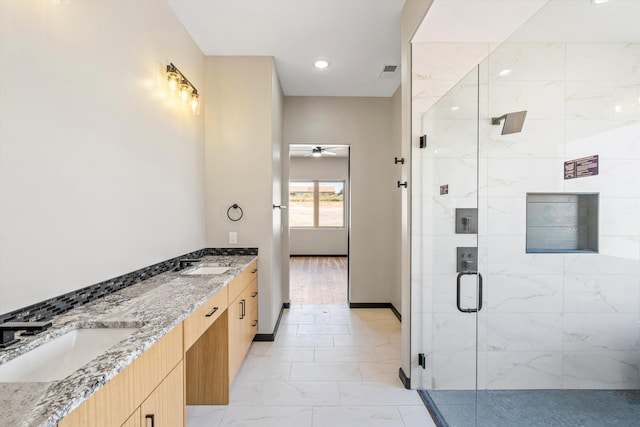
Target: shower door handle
[[469, 310]]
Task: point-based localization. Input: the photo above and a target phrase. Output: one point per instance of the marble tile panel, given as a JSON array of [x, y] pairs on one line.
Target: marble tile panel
[[325, 371], [615, 101], [507, 215], [613, 137], [602, 293], [616, 62], [461, 102], [616, 178], [516, 177], [618, 255], [524, 332], [601, 369], [436, 61], [528, 61], [539, 139], [524, 293], [300, 393], [507, 257], [265, 416], [453, 137], [455, 370], [614, 214], [524, 370], [448, 172], [349, 416], [456, 332], [376, 393], [542, 99], [602, 331]]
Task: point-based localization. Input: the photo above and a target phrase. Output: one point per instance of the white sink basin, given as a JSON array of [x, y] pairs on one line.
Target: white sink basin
[[60, 357], [207, 269]]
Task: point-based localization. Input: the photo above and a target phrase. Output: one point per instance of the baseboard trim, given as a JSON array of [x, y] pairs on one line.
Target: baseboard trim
[[406, 381], [272, 337], [318, 255], [377, 305]]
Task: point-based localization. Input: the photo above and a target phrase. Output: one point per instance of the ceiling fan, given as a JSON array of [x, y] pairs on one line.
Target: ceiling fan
[[319, 152]]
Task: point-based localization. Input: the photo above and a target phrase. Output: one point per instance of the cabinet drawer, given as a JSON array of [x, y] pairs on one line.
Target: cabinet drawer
[[240, 283], [200, 320]]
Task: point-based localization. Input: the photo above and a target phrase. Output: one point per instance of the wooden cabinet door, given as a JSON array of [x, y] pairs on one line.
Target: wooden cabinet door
[[165, 406], [134, 420], [237, 335]]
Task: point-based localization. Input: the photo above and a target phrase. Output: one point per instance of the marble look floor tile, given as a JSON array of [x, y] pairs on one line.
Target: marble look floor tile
[[298, 318], [416, 416], [360, 340], [289, 329], [297, 416], [245, 393], [379, 371], [350, 416], [323, 329], [305, 341], [325, 371], [373, 393], [345, 354], [285, 354], [300, 393], [205, 416], [255, 369]]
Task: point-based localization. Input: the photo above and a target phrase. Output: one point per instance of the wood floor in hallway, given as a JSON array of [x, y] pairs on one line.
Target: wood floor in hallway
[[318, 280]]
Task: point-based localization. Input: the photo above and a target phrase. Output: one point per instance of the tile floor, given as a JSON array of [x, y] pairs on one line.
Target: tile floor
[[330, 366]]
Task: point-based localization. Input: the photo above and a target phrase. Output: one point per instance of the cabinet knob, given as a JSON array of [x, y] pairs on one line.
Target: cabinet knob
[[254, 271], [255, 322], [255, 294]]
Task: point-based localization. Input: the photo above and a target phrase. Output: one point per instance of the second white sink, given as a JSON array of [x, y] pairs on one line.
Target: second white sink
[[207, 269], [60, 357]]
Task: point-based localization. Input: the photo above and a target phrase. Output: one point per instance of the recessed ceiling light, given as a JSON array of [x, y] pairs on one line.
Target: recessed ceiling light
[[321, 64], [455, 108], [598, 1], [504, 72]]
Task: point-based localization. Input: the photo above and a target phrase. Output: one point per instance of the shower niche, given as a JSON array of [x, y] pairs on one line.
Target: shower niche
[[562, 222]]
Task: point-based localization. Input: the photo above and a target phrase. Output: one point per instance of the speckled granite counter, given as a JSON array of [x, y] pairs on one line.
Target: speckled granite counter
[[155, 306]]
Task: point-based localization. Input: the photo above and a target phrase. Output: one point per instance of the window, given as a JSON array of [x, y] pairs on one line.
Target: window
[[316, 204]]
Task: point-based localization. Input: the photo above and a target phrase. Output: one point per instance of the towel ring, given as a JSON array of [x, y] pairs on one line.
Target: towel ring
[[235, 206]]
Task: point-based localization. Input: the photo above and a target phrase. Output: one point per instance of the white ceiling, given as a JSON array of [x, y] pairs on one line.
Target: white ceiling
[[357, 37]]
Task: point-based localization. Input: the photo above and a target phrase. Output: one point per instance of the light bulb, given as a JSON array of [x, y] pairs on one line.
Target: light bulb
[[321, 64], [173, 78], [185, 90], [195, 103]]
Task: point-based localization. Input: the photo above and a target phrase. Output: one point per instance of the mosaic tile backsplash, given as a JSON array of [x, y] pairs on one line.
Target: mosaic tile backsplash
[[45, 310]]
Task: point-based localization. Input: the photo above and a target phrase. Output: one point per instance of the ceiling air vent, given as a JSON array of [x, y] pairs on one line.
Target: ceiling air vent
[[389, 71]]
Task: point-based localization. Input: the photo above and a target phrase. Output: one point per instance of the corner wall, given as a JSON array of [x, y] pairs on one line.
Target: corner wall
[[101, 171], [242, 156]]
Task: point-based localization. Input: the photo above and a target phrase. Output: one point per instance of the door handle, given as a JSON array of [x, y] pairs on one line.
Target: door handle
[[458, 279]]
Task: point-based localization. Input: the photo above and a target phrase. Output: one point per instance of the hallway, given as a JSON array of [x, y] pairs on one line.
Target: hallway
[[329, 366], [318, 280]]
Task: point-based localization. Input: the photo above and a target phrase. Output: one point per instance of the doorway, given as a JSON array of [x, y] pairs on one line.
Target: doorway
[[319, 224]]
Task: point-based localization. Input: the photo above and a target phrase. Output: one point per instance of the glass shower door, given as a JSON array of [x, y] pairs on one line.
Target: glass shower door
[[448, 171]]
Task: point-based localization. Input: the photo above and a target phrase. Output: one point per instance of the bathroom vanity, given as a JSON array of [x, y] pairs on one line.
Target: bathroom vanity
[[190, 335]]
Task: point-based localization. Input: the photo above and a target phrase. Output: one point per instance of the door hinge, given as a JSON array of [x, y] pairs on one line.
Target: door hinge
[[422, 361]]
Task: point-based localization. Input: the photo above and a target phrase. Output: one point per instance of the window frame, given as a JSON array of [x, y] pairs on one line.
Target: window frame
[[316, 204]]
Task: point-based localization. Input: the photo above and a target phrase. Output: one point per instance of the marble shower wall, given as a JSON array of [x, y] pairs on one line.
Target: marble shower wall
[[548, 320]]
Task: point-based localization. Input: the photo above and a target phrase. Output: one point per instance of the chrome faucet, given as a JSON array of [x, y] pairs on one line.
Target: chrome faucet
[[8, 330]]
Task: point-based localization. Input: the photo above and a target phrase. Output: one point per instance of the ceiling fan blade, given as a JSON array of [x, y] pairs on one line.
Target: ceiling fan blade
[[329, 153]]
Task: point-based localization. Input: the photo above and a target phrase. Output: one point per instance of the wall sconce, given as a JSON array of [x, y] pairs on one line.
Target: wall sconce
[[180, 85]]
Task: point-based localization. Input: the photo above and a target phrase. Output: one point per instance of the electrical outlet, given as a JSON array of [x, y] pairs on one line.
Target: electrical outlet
[[233, 237]]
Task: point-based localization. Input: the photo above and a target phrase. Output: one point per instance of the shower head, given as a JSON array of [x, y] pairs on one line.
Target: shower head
[[513, 122]]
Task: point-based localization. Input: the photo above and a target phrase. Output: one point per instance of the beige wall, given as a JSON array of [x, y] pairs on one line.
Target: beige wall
[[396, 202], [101, 172], [365, 125], [320, 241], [243, 112]]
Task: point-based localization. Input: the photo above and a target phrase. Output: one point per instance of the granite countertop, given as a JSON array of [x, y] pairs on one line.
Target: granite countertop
[[155, 306]]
